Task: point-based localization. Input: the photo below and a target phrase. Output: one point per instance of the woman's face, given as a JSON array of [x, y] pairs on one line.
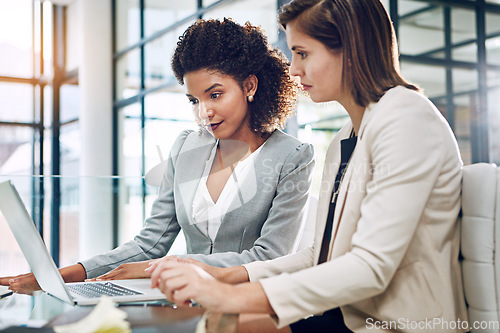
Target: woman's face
[[319, 68], [219, 103]]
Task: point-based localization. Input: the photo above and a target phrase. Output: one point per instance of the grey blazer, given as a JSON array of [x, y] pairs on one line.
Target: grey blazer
[[262, 223]]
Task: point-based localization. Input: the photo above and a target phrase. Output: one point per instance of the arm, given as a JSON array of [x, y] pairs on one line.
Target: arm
[[287, 264], [158, 233], [257, 270], [130, 270], [231, 275], [407, 152], [279, 232], [27, 284]]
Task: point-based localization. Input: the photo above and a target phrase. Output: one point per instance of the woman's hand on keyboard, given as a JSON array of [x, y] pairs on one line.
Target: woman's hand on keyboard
[[22, 284], [134, 270], [27, 284]]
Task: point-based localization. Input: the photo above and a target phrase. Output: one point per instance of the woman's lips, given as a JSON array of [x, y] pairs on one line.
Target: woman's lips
[[213, 127], [306, 87]]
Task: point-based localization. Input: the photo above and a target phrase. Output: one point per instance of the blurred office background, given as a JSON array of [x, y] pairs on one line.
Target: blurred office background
[[88, 102]]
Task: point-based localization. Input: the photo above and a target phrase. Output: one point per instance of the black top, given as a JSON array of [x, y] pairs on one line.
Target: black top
[[346, 149]]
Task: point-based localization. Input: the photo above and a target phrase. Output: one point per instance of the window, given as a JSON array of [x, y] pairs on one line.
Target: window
[[439, 51], [38, 112]]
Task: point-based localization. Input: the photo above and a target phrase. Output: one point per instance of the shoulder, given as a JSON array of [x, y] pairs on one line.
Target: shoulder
[[289, 153], [282, 146], [189, 139], [182, 137], [408, 118], [401, 101], [286, 144], [405, 111]]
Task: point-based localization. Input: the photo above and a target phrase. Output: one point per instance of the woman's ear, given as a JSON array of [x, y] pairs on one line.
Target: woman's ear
[[250, 85]]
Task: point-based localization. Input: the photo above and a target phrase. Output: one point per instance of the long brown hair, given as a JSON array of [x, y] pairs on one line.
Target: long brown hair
[[363, 31]]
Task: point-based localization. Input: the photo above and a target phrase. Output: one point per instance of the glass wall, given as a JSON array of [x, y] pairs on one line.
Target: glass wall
[[440, 47], [451, 51], [39, 109]]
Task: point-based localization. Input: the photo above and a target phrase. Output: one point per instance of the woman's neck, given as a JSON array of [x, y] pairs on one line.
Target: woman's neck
[[356, 113], [250, 140]]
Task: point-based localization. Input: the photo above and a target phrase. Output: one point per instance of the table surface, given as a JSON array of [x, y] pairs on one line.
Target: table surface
[[44, 310]]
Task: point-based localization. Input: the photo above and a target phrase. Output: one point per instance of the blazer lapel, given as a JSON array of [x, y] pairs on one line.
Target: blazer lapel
[[338, 246], [341, 202], [246, 191], [189, 169], [247, 188]]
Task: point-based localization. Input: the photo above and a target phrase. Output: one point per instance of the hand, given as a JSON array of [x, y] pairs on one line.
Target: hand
[[207, 268], [135, 270], [22, 284], [27, 284], [232, 275], [182, 282], [154, 263], [216, 272]]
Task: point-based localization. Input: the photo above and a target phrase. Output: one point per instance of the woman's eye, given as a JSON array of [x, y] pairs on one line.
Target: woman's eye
[[193, 101], [301, 55], [215, 95]]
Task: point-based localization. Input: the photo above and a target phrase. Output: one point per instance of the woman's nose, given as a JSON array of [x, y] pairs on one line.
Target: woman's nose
[[204, 112], [295, 69]]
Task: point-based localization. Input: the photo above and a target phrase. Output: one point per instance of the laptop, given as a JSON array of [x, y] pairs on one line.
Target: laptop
[[45, 270]]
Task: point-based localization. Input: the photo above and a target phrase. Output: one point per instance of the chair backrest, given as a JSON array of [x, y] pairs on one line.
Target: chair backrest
[[480, 242]]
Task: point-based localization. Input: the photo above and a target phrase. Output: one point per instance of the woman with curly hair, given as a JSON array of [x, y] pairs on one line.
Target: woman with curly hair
[[238, 187]]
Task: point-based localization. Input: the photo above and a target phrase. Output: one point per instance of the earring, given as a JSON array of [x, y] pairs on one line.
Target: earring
[[250, 98]]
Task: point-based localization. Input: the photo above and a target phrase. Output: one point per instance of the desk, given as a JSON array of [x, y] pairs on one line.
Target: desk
[[45, 310]]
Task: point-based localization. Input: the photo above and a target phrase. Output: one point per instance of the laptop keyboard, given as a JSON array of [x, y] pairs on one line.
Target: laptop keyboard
[[94, 290]]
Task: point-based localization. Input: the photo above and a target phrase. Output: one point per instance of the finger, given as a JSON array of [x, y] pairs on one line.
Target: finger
[[16, 282], [24, 276], [23, 285], [181, 297], [4, 281], [163, 274], [172, 286], [175, 283], [108, 276], [171, 279], [153, 264], [203, 266], [162, 267], [151, 268]]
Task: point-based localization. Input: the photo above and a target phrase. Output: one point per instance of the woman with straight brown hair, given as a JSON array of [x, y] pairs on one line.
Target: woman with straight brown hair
[[385, 255]]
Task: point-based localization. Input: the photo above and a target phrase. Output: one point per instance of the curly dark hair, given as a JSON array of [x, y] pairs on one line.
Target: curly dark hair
[[240, 51]]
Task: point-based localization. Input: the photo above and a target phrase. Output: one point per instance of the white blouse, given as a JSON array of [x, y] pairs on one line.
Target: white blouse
[[208, 215]]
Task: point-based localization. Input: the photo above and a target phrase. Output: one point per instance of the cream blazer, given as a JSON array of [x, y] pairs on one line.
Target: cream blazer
[[393, 260]]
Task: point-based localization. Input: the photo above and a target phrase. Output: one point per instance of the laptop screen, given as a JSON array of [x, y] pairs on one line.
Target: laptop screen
[[31, 243]]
